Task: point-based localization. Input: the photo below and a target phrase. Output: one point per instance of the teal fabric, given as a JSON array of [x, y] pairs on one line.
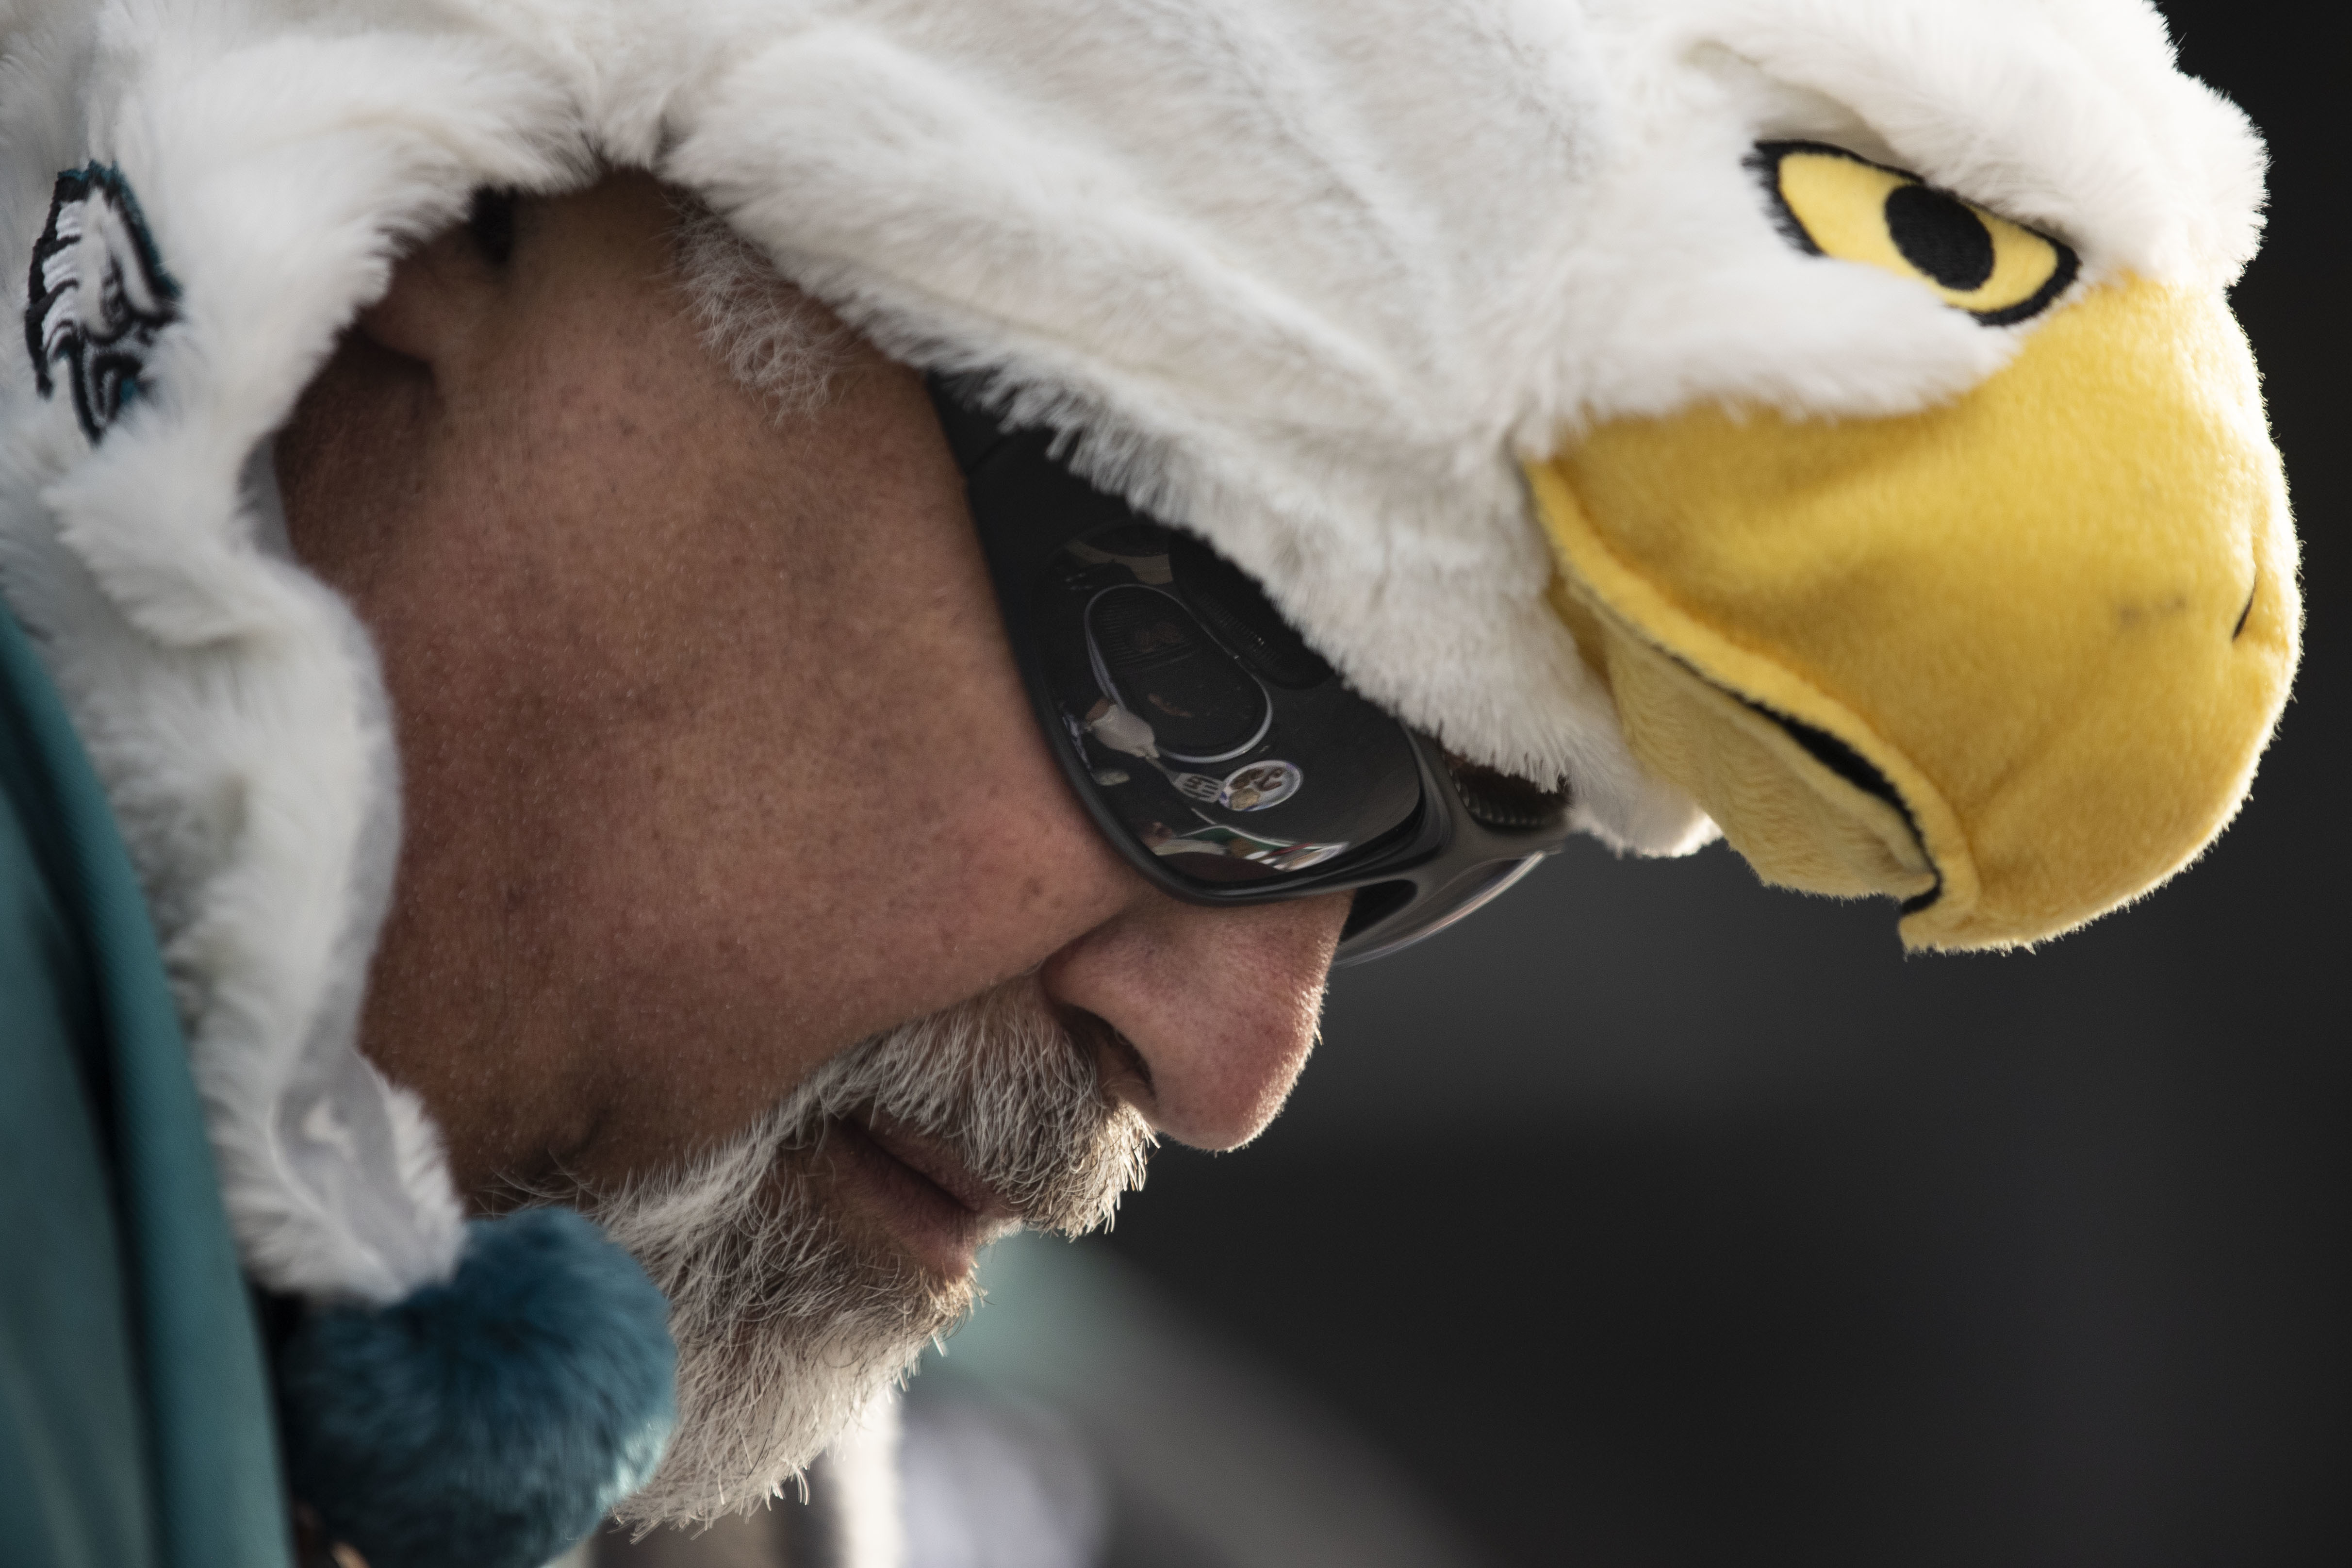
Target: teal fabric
[[73, 1460], [135, 1424]]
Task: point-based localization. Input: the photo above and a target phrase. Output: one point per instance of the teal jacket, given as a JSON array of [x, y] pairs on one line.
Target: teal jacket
[[135, 1423]]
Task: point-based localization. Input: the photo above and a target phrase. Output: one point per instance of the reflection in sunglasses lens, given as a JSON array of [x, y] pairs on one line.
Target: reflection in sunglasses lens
[[1207, 726]]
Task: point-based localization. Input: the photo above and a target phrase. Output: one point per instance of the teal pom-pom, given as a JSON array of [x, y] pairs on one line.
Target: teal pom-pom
[[491, 1421]]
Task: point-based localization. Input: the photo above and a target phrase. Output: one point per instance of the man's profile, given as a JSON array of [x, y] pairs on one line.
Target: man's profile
[[802, 1048]]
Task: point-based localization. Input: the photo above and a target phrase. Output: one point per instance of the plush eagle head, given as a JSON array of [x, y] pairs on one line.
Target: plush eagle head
[[1972, 583]]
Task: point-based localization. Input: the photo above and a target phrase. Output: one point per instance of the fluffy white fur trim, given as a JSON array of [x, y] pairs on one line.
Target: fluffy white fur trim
[[232, 704], [1307, 275]]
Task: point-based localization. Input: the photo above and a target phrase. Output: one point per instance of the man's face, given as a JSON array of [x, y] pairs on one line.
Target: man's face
[[716, 771]]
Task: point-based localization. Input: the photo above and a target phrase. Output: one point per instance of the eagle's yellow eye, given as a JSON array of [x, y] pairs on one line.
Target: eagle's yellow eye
[[1833, 203]]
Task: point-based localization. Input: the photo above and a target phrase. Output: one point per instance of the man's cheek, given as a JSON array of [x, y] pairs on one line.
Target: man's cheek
[[1014, 872]]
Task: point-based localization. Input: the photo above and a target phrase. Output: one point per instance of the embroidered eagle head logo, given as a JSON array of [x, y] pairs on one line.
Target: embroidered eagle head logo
[[98, 297]]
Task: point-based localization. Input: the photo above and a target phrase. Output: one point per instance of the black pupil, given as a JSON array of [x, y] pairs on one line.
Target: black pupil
[[1940, 236]]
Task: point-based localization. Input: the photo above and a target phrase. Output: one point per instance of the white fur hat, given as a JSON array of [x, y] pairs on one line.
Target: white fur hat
[[1307, 276]]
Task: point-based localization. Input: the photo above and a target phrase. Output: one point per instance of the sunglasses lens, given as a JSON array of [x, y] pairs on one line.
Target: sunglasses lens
[[1209, 731]]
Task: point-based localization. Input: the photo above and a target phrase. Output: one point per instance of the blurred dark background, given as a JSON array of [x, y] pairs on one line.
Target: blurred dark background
[[1661, 1218]]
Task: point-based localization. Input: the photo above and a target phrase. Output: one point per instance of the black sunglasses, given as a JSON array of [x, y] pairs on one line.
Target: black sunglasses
[[1221, 755]]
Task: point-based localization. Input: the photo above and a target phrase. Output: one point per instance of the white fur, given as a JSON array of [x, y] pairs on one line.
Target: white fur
[[230, 702], [1306, 275]]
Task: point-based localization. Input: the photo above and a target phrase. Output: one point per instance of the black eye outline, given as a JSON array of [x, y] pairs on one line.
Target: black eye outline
[[1765, 163]]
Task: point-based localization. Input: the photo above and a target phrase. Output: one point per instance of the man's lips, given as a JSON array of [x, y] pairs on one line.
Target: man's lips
[[937, 1162], [921, 1191]]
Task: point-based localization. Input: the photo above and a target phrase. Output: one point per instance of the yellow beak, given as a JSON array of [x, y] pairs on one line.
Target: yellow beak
[[2012, 659]]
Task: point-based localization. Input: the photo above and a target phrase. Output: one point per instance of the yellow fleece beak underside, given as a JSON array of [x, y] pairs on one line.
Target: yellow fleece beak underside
[[2010, 660]]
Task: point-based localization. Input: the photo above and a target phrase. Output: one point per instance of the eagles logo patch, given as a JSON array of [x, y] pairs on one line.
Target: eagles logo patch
[[98, 297]]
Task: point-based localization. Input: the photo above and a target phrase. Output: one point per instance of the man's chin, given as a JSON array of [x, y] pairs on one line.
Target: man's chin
[[771, 1369]]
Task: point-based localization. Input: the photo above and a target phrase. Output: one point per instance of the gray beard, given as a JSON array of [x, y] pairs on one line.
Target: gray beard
[[787, 1322]]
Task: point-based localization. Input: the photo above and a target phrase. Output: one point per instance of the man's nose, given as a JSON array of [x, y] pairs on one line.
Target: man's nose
[[1221, 1005]]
